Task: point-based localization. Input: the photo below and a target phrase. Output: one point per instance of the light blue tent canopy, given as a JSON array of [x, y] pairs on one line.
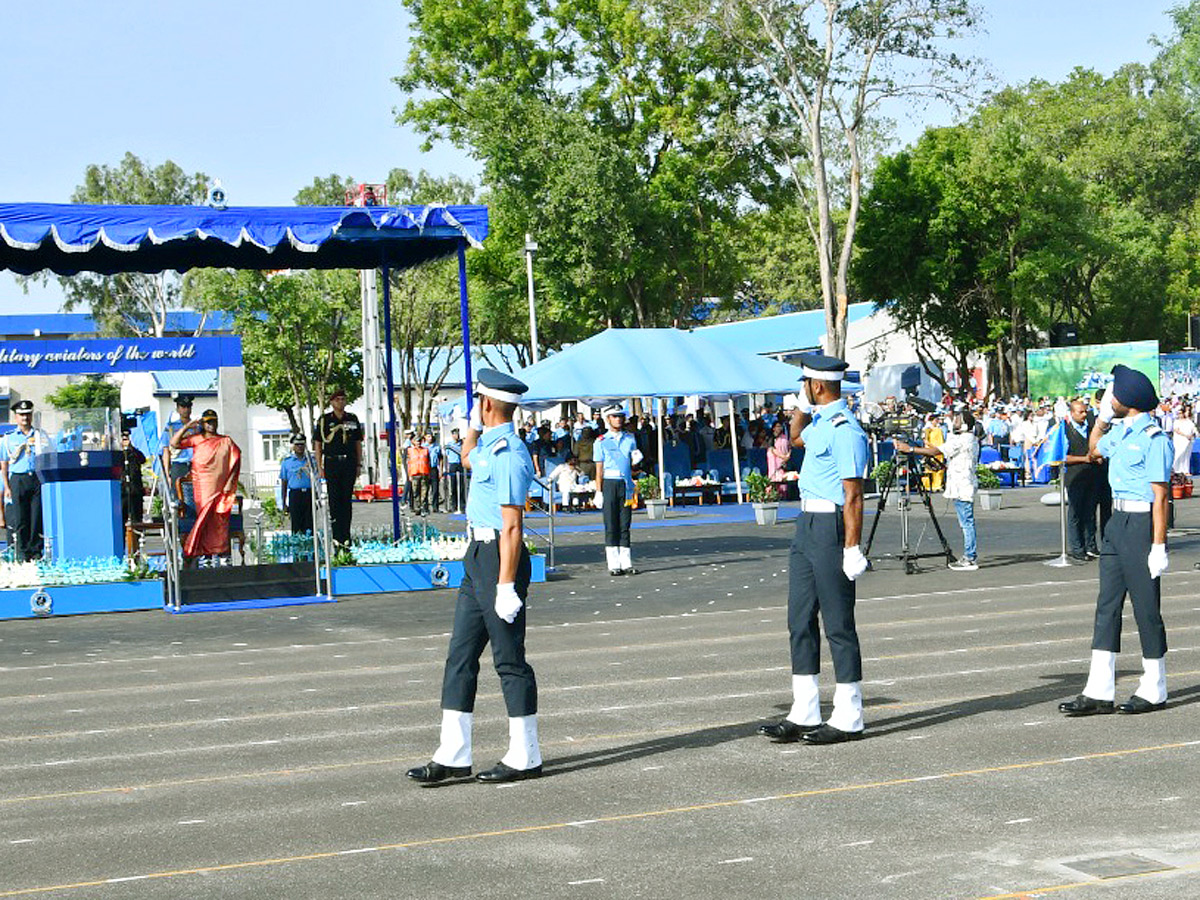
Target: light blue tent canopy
[[654, 362], [106, 239]]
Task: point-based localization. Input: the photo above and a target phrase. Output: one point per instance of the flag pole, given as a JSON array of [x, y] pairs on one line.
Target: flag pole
[[1061, 561]]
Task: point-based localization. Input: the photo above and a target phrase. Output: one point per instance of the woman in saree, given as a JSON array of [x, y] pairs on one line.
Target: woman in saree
[[216, 463]]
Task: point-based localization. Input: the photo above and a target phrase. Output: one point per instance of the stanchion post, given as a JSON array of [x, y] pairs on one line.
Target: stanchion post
[[391, 400]]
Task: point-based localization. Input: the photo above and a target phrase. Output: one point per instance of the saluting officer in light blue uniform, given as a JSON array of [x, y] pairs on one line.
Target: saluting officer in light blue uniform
[[825, 558], [1133, 554], [615, 454], [179, 462], [22, 488], [491, 599], [295, 476]]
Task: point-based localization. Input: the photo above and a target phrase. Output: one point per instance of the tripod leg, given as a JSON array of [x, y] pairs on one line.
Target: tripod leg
[[936, 525], [884, 490]]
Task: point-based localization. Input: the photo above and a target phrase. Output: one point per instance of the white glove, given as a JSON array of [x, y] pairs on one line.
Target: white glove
[[475, 422], [1107, 413], [636, 457], [598, 499], [1157, 560], [508, 604], [853, 562], [797, 401]]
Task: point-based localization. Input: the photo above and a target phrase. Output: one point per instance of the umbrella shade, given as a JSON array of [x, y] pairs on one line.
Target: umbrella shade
[[653, 362]]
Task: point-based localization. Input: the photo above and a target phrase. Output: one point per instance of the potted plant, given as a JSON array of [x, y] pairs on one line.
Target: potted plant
[[650, 490], [989, 488], [763, 496]]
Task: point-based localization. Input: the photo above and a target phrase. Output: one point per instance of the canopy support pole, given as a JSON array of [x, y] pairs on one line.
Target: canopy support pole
[[391, 400], [662, 470], [733, 442], [464, 315]]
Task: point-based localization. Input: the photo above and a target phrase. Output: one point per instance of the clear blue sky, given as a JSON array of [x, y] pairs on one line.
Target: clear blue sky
[[267, 94]]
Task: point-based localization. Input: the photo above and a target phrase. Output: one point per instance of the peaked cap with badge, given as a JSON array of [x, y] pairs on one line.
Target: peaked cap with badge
[[499, 386], [823, 368]]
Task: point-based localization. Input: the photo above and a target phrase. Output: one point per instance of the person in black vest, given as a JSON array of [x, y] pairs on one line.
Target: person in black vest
[[1104, 496], [1082, 481], [337, 440]]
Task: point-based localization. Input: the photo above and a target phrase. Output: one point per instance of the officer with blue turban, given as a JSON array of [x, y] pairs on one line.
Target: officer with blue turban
[[491, 598], [825, 558], [1133, 554]]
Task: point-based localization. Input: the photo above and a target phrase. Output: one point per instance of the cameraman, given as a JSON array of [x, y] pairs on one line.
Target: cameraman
[[961, 452]]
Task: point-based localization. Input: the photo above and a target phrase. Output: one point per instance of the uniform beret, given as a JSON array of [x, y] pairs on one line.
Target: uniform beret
[[1133, 389]]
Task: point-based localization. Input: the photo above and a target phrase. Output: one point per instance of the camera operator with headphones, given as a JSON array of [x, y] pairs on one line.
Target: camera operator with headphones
[[961, 453]]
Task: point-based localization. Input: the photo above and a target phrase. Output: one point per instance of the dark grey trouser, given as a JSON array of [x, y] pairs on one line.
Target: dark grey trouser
[[476, 624], [617, 516], [817, 584], [1123, 570], [1082, 500]]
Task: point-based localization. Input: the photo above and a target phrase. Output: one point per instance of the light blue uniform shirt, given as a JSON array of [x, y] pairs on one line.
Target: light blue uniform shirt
[[435, 454], [19, 454], [835, 447], [183, 455], [295, 471], [453, 453], [615, 451], [501, 472], [1139, 455]]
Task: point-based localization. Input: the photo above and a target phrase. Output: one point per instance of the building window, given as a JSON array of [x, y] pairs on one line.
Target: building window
[[275, 447]]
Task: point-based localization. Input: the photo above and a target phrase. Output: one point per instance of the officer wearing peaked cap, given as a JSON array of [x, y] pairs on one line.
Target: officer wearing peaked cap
[[491, 598], [1133, 553], [615, 454], [21, 484], [825, 558], [296, 483]]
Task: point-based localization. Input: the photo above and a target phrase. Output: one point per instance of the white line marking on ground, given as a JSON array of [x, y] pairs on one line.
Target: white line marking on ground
[[126, 878], [354, 803], [859, 843], [1169, 799], [263, 743], [739, 859], [1017, 821], [22, 841], [358, 850], [586, 881], [191, 822], [656, 768]]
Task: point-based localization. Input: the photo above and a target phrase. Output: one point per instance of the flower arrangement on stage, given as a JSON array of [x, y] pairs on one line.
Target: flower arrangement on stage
[[93, 570]]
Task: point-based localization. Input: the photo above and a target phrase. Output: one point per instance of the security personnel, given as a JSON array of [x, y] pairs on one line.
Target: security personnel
[[491, 599], [295, 477], [179, 462], [337, 439], [825, 558], [1133, 551], [133, 491], [21, 484], [615, 454]]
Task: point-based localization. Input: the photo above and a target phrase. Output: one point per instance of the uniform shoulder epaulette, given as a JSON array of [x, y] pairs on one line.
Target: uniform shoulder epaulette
[[838, 419], [1153, 430], [501, 444]]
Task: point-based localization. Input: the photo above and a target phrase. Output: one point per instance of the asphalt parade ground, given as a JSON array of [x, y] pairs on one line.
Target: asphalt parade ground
[[262, 753]]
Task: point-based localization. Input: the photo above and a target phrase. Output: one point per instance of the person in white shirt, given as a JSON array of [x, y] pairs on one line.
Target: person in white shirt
[[566, 477], [1022, 437], [961, 452], [1183, 435]]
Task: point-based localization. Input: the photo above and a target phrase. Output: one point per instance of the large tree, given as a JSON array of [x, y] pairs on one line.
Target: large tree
[[833, 67], [608, 131], [132, 303]]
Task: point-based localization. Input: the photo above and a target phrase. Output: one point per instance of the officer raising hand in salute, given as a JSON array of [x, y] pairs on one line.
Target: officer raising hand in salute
[[825, 558], [1133, 555], [491, 598]]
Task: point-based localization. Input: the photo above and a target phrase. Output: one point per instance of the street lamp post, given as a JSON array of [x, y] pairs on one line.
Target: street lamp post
[[530, 247]]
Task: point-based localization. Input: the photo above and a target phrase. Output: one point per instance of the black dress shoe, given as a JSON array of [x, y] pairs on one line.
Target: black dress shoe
[[432, 773], [615, 572], [630, 571], [827, 734], [1078, 557], [1136, 705], [1085, 706], [501, 773], [785, 731]]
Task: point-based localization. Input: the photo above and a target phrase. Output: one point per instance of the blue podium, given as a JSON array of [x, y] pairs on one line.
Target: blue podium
[[81, 503]]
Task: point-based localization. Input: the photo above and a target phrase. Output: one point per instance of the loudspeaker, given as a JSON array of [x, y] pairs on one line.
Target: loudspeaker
[[1064, 334], [910, 379]]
